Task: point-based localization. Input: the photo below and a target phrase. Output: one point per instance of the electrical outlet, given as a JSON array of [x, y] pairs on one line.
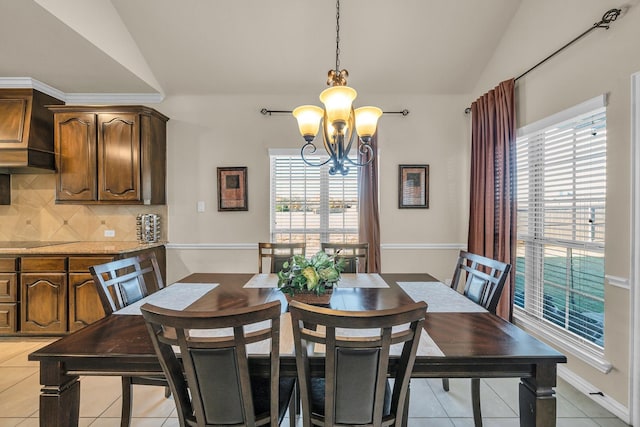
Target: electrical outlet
[[109, 233], [200, 206]]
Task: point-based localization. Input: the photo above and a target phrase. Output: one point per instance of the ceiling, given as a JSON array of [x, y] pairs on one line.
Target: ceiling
[[250, 46]]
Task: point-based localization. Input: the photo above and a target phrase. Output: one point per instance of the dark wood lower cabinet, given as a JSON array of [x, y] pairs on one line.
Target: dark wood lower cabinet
[[84, 304], [43, 303], [8, 318], [53, 295], [8, 295]]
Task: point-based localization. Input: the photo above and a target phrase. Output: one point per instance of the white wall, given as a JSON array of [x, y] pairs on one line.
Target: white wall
[[210, 131], [602, 62]]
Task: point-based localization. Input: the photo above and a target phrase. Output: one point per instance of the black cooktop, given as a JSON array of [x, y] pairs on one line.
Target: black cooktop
[[27, 244]]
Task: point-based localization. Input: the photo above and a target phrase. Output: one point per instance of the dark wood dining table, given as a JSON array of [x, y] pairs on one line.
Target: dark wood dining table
[[474, 345]]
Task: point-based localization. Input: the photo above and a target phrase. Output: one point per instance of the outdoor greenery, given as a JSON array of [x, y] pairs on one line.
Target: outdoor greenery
[[564, 303]]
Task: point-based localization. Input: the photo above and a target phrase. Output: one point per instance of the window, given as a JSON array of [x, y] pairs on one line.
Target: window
[[308, 205], [561, 191]]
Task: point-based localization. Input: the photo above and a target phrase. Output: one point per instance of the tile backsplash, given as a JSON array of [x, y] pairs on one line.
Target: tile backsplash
[[34, 215]]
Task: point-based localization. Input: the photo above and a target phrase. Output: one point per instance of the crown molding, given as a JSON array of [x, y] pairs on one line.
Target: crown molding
[[81, 98], [28, 82]]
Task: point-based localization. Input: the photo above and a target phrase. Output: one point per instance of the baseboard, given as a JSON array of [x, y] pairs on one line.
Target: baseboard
[[607, 402]]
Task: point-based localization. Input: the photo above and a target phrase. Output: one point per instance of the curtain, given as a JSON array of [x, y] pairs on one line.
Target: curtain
[[369, 217], [492, 209]]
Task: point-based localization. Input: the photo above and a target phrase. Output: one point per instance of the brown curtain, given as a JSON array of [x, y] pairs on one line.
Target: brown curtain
[[369, 217], [492, 216]]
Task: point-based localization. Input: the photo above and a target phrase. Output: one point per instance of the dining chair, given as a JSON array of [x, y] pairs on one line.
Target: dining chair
[[355, 255], [120, 283], [277, 254], [483, 284], [210, 378], [357, 346]]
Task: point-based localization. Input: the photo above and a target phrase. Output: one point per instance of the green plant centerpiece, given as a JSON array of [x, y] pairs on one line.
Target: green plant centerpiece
[[316, 275]]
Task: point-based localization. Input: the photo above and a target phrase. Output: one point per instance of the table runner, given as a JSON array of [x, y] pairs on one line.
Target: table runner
[[362, 280], [426, 346], [440, 298], [175, 297], [181, 295], [262, 280], [349, 280]]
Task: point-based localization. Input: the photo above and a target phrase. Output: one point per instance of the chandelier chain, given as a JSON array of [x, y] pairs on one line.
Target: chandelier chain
[[337, 36]]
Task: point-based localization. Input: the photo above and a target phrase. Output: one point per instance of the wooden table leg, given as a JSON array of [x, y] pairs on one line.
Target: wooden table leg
[[59, 396], [537, 398]]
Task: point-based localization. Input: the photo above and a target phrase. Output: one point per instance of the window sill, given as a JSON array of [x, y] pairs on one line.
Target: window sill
[[589, 354]]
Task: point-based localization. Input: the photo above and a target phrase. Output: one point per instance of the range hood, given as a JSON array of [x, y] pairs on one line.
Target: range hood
[[26, 131]]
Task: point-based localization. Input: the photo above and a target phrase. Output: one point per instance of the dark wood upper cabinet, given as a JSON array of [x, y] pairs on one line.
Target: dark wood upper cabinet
[[110, 154]]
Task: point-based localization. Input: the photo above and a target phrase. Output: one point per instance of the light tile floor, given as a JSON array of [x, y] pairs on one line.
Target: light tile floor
[[430, 405]]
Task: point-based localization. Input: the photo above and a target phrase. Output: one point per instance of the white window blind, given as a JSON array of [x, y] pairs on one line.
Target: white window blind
[[308, 205], [561, 188]]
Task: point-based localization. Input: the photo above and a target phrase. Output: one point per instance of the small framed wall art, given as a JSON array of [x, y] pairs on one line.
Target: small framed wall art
[[413, 188], [232, 189]]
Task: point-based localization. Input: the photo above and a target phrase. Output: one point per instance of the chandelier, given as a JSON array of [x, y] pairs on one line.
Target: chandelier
[[340, 122]]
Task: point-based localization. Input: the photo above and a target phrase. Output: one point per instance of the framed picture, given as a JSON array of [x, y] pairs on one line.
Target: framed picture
[[413, 188], [232, 189]]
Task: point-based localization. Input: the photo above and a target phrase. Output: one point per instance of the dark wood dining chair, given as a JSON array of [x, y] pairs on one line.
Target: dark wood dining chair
[[484, 279], [121, 283], [277, 254], [355, 255], [354, 389], [210, 378]]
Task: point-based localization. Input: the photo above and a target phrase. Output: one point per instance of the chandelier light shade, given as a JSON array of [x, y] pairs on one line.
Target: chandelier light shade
[[341, 124], [309, 117], [367, 121]]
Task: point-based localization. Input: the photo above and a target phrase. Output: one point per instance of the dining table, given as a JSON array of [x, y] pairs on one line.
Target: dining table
[[460, 339]]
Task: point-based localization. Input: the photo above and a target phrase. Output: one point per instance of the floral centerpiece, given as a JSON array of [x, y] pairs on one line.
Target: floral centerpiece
[[316, 275]]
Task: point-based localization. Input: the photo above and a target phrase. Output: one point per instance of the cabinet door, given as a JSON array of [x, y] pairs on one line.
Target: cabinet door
[[75, 145], [118, 157], [43, 307], [84, 304], [8, 318], [8, 287]]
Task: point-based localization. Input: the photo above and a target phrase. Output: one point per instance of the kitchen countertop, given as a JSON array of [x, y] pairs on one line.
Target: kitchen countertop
[[71, 248]]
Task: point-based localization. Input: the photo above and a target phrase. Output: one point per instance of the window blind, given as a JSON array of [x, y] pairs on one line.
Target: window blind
[[561, 195], [308, 205]]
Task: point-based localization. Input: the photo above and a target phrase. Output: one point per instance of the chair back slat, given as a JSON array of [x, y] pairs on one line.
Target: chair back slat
[[355, 255], [357, 352], [218, 386], [277, 254], [484, 281], [123, 282]]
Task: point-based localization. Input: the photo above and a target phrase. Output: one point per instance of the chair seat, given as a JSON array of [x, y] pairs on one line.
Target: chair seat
[[317, 397], [260, 389]]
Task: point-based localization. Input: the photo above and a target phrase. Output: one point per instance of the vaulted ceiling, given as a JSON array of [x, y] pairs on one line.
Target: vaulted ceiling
[[250, 46]]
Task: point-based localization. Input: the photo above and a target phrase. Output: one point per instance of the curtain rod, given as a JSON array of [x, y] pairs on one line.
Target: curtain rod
[[608, 17], [265, 112]]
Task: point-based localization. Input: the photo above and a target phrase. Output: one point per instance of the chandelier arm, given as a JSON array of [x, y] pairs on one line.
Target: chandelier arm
[[313, 149], [364, 149]]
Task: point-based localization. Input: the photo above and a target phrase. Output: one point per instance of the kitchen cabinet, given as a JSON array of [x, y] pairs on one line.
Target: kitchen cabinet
[[8, 295], [53, 293], [43, 289], [110, 154], [84, 304]]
